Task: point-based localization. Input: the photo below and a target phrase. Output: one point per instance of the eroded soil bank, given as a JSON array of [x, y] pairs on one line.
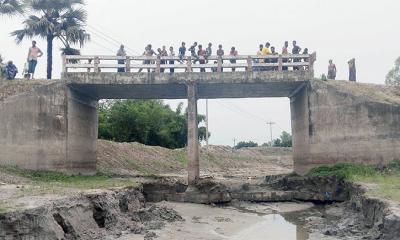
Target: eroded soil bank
[[299, 208]]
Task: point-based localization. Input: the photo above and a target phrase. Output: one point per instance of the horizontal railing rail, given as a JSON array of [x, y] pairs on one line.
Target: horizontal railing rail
[[287, 62]]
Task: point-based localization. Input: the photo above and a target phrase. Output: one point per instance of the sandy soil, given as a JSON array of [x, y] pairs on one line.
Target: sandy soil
[[216, 161]]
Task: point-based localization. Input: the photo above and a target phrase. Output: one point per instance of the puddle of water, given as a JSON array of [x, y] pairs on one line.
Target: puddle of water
[[272, 226]]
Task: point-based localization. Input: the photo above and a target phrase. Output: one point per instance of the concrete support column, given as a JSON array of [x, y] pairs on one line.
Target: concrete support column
[[193, 143]]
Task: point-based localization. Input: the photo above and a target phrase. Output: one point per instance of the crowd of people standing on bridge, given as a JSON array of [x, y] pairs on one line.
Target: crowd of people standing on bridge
[[201, 55]]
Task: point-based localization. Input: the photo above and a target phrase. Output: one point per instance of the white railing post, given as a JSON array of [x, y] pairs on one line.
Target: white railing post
[[158, 63], [96, 64], [219, 64], [128, 64], [280, 63], [189, 64], [64, 63], [249, 64]]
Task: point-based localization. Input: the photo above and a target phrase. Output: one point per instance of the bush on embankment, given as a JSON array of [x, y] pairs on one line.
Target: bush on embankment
[[383, 182]]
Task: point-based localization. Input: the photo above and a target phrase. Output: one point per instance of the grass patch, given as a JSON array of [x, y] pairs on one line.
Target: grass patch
[[56, 179], [344, 170], [385, 183]]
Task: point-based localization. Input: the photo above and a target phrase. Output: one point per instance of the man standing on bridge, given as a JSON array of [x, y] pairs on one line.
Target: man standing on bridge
[[121, 53], [295, 51], [221, 53], [182, 52], [193, 53], [285, 51], [33, 54], [209, 51]]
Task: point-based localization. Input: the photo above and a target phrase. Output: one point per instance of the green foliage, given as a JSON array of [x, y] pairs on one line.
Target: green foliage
[[246, 144], [285, 140], [10, 7], [383, 182], [344, 170], [56, 179], [393, 77], [149, 122]]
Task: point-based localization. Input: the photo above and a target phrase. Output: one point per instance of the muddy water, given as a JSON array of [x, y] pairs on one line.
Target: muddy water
[[248, 222]]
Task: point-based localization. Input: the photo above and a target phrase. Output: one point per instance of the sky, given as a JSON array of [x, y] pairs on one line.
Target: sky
[[340, 30]]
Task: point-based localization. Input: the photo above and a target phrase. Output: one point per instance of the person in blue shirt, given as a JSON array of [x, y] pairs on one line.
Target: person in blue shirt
[[11, 71]]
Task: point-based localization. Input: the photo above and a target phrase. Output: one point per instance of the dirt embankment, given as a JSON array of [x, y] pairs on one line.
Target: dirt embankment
[[139, 159]]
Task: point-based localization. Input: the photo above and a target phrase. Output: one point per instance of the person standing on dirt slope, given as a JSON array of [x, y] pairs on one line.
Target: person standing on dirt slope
[[2, 68], [352, 70], [33, 54], [331, 70]]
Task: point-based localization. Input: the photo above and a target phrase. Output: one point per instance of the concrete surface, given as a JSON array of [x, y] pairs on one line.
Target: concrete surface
[[54, 126]]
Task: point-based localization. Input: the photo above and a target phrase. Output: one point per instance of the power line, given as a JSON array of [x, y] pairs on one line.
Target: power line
[[110, 39], [101, 45]]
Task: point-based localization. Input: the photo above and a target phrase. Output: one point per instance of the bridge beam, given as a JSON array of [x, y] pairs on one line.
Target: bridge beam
[[193, 142]]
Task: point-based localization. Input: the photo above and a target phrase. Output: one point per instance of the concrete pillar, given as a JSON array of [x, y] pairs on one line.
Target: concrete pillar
[[193, 142]]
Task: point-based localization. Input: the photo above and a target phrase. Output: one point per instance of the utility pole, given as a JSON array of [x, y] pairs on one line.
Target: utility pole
[[234, 143], [207, 123], [270, 129]]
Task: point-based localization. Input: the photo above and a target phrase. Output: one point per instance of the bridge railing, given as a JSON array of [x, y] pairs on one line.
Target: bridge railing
[[78, 63]]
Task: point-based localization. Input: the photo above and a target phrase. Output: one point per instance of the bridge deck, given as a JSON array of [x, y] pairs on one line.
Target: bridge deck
[[174, 86]]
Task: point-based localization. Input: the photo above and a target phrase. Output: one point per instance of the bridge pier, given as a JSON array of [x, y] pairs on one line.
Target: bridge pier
[[193, 133]]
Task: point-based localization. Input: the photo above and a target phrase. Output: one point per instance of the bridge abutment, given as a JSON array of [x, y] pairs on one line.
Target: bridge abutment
[[340, 122]]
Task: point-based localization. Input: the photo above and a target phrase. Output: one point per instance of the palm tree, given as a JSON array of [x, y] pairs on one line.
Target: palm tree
[[10, 7], [54, 19]]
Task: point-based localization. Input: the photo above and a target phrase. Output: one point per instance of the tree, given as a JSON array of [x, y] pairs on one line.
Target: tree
[[246, 144], [54, 19], [149, 122], [10, 7], [393, 77], [285, 140]]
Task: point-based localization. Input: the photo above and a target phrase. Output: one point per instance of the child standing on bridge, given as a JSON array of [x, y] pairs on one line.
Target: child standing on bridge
[[233, 53]]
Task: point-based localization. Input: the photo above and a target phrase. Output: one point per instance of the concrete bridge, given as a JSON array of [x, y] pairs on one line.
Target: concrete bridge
[[53, 126]]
